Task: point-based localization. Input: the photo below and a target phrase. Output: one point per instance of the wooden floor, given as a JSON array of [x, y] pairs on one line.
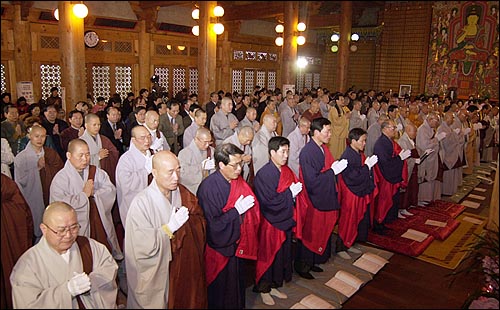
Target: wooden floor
[[411, 283]]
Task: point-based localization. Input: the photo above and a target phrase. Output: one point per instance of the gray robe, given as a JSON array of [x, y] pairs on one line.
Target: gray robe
[[449, 152], [246, 151], [297, 142], [39, 278], [373, 133], [219, 125], [407, 144], [131, 178], [67, 186], [430, 189], [190, 158], [147, 248], [260, 153]]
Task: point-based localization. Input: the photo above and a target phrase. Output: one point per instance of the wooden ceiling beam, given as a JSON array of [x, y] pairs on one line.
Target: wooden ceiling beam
[[154, 4], [258, 10], [323, 21]]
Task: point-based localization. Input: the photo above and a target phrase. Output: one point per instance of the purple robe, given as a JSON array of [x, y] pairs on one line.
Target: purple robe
[[278, 209], [223, 231]]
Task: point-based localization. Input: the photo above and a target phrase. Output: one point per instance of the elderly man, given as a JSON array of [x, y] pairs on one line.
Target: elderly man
[[357, 119], [34, 169], [409, 197], [223, 123], [155, 217], [197, 160], [158, 140], [103, 154], [260, 154], [298, 138], [373, 133], [90, 192], [430, 169], [243, 140], [373, 113], [225, 197], [64, 270], [288, 114], [200, 118], [133, 171], [450, 148], [115, 130], [392, 174]]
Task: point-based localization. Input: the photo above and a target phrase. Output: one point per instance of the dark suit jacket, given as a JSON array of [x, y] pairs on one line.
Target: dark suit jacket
[[107, 131]]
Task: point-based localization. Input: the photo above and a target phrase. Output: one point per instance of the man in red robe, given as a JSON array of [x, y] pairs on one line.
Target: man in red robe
[[233, 218], [276, 188]]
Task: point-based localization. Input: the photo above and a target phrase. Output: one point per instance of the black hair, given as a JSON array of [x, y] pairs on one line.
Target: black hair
[[223, 151], [275, 143], [356, 133], [318, 124]]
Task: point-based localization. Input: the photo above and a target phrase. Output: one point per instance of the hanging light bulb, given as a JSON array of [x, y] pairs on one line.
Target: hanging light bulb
[[279, 28], [218, 11], [335, 37], [196, 30], [301, 26], [80, 10], [195, 14], [301, 62], [218, 28], [56, 14], [334, 48], [301, 40], [279, 41], [353, 48], [354, 37]]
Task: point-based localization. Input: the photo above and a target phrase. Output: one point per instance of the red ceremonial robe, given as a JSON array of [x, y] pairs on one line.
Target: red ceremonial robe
[[386, 189], [353, 208], [314, 227], [268, 250], [248, 243]]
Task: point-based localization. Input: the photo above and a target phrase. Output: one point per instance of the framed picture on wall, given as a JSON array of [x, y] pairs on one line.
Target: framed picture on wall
[[404, 90]]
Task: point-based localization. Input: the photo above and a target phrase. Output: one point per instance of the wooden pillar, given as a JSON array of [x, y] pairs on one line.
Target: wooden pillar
[[288, 64], [71, 55], [225, 58], [145, 71], [22, 51], [207, 53], [344, 42]]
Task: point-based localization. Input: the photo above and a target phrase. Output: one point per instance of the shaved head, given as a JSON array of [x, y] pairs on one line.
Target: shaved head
[[162, 157], [56, 208], [73, 144]]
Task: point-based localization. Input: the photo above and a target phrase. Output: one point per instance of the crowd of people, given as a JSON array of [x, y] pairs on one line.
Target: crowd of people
[[169, 199]]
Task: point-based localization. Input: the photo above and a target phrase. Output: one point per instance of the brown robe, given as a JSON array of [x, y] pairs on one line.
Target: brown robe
[[188, 288], [109, 163], [16, 234], [53, 164]]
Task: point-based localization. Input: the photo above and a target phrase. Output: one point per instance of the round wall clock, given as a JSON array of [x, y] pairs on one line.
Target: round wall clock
[[91, 39]]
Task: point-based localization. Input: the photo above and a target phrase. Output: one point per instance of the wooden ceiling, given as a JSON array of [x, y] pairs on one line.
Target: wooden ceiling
[[318, 14]]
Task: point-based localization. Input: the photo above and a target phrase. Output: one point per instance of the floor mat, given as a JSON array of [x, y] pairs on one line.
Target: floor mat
[[450, 252]]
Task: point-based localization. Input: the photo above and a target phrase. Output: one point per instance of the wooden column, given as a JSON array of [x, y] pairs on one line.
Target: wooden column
[[345, 39], [207, 53], [145, 71], [225, 58], [288, 63], [72, 55], [22, 51]]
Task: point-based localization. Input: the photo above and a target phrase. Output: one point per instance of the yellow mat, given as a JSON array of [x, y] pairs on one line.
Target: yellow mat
[[450, 252]]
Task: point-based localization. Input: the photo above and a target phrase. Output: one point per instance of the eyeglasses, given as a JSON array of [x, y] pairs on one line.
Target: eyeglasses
[[236, 165], [61, 231], [203, 141]]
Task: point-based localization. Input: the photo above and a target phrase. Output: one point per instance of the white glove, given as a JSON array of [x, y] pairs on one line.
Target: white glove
[[477, 126], [208, 164], [399, 127], [466, 131], [243, 204], [417, 161], [295, 188], [339, 166], [440, 136], [177, 219], [79, 284], [404, 154], [457, 130], [148, 165], [371, 161], [362, 116]]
